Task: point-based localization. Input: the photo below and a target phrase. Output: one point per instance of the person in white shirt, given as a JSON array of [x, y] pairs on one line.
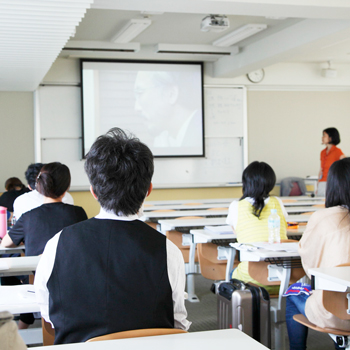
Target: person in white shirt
[[113, 272], [33, 199]]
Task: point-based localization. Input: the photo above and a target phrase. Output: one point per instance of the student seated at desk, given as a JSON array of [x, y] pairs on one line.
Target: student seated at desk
[[37, 226], [325, 243], [14, 188], [113, 272], [249, 215], [33, 199]]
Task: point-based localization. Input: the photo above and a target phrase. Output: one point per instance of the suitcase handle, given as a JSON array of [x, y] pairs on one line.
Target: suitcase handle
[[238, 284]]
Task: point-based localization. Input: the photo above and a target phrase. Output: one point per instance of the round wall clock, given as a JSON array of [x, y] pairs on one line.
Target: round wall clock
[[256, 76]]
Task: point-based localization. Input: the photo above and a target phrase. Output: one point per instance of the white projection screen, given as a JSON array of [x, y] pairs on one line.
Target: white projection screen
[[161, 103]]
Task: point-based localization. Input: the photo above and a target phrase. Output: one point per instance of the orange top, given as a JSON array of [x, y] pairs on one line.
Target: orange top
[[328, 159]]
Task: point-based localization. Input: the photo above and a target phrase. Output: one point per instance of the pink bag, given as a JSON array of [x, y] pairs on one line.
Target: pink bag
[[3, 221]]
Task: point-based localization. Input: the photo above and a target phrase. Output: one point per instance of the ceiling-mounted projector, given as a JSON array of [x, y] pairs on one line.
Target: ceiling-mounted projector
[[214, 23]]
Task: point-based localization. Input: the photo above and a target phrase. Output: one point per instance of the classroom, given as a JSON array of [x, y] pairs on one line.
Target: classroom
[[303, 57]]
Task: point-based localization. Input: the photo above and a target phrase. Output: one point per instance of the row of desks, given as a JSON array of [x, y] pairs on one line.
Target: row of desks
[[224, 202]]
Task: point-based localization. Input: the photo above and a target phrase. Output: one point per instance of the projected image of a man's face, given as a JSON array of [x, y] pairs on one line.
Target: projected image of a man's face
[[154, 99]]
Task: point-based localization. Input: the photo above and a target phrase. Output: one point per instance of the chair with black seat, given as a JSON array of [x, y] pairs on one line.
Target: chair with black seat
[[137, 333]]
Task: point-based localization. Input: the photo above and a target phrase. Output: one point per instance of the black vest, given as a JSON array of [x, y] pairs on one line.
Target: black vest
[[109, 276]]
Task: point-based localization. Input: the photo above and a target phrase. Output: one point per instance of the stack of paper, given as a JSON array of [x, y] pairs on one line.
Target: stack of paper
[[224, 229]]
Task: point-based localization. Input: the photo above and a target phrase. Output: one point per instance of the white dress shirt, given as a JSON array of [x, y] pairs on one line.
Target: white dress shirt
[[175, 264], [31, 200]]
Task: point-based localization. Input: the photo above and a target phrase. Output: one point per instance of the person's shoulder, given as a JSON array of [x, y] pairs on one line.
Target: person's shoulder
[[331, 215]]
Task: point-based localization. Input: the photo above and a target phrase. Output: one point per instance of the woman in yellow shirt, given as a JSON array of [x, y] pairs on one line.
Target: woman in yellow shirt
[[249, 216]]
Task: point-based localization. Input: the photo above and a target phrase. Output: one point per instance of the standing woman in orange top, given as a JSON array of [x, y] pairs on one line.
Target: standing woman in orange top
[[329, 155]]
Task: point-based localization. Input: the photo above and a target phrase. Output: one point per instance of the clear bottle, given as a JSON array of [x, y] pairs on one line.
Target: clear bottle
[[274, 224]]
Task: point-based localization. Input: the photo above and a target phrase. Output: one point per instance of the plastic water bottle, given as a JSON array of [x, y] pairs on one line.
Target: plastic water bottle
[[274, 224]]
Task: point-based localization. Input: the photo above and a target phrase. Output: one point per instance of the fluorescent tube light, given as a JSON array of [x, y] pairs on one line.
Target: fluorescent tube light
[[131, 30], [239, 34]]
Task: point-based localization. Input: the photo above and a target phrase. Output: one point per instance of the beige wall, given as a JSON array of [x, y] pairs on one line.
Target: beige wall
[[17, 134], [285, 128]]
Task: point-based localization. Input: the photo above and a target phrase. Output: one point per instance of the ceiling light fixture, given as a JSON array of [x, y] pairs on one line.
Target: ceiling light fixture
[[239, 34], [131, 30]]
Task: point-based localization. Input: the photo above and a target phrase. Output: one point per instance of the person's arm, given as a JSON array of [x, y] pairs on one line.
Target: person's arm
[[7, 242], [232, 216], [177, 279], [15, 236], [42, 275]]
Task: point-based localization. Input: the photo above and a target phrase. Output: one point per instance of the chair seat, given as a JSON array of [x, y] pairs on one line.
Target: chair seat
[[304, 321]]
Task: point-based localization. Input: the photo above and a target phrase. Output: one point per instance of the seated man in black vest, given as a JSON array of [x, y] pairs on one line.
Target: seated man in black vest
[[113, 272]]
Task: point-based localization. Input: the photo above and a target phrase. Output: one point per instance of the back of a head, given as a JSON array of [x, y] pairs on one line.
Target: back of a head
[[120, 169], [258, 181], [32, 173], [12, 183], [333, 133], [53, 180], [338, 184]]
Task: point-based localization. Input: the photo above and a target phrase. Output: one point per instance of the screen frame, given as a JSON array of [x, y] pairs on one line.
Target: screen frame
[[198, 63]]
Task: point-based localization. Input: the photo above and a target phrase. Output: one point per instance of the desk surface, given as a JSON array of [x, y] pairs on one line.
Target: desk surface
[[18, 299], [18, 266], [209, 340], [262, 254], [339, 275], [15, 250], [170, 224], [301, 209], [179, 213], [184, 207], [186, 201]]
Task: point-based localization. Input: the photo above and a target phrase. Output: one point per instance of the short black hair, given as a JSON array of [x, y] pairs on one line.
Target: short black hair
[[333, 133], [338, 184], [258, 180], [53, 180], [31, 174], [120, 169]]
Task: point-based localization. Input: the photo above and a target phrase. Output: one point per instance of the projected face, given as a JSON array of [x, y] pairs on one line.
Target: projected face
[[155, 96]]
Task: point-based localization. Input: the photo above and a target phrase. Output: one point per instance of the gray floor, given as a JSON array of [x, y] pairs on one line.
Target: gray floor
[[203, 316]]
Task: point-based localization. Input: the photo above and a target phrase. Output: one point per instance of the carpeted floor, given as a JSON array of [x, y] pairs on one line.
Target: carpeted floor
[[203, 317]]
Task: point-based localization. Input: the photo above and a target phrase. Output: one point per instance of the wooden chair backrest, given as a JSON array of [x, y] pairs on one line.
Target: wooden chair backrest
[[319, 205], [258, 270], [211, 267], [137, 333], [48, 333], [336, 302], [223, 208], [162, 210]]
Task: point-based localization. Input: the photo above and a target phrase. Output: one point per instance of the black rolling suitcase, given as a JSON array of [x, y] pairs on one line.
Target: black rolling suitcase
[[245, 307]]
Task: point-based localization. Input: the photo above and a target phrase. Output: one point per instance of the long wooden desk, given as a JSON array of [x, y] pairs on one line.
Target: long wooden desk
[[18, 266], [172, 224], [186, 201], [18, 299], [184, 207], [209, 340], [179, 213], [331, 278], [15, 250]]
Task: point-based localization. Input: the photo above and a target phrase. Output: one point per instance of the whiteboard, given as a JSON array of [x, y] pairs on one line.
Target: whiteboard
[[60, 133]]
